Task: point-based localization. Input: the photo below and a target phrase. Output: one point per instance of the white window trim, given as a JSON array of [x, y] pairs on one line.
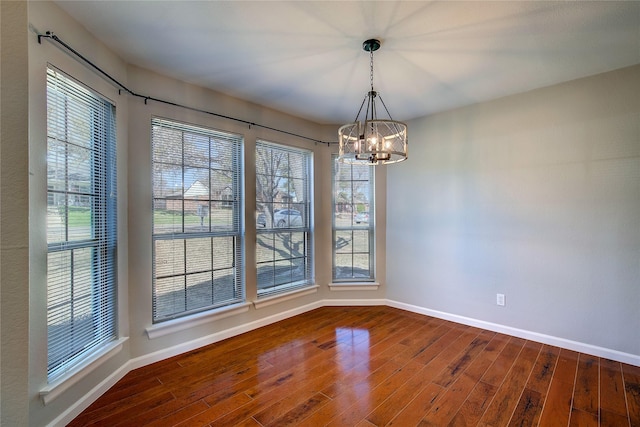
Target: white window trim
[[49, 393], [354, 286], [278, 298]]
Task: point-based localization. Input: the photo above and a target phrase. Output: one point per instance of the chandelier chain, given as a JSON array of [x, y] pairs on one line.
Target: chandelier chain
[[371, 68]]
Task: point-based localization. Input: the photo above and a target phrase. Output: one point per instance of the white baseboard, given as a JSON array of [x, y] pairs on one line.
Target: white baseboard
[[606, 353], [138, 362], [352, 302]]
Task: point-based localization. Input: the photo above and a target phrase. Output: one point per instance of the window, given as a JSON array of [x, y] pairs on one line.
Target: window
[[81, 223], [197, 228], [353, 222], [283, 218]]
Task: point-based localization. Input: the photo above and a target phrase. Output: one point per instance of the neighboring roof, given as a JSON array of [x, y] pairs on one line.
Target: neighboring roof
[[197, 189]]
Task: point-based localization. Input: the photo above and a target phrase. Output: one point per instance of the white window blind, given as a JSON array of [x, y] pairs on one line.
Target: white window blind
[[197, 227], [353, 222], [81, 223], [283, 218]]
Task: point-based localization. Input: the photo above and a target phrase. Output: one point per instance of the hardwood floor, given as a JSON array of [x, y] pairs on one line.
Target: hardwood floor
[[373, 366]]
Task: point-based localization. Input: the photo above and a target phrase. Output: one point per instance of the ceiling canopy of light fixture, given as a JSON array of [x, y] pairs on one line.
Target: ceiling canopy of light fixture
[[373, 141]]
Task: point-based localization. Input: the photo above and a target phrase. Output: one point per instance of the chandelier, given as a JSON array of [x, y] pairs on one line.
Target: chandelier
[[372, 141]]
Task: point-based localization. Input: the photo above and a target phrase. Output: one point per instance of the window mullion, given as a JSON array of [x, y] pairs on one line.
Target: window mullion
[[66, 170], [183, 181], [186, 273]]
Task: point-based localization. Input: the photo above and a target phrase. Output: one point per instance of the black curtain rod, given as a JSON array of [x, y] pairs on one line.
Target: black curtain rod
[[50, 35]]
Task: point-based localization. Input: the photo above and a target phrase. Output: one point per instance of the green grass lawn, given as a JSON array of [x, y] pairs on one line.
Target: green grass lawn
[[81, 217], [165, 217]]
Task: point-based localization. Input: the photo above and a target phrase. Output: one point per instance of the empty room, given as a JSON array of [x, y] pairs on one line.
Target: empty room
[[353, 213]]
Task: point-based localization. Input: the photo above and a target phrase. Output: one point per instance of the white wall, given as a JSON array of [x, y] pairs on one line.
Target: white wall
[[536, 196]]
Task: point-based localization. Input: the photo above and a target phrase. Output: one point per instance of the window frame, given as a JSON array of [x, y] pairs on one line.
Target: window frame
[[234, 143], [288, 223], [370, 227], [84, 109]]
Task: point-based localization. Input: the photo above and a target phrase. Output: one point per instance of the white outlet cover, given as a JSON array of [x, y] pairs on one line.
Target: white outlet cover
[[500, 300]]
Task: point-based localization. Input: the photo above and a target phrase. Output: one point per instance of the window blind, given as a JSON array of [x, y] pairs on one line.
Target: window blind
[[283, 218], [353, 222], [197, 219], [81, 223]]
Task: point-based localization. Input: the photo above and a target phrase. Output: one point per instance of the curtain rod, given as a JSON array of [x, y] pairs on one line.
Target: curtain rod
[[51, 36]]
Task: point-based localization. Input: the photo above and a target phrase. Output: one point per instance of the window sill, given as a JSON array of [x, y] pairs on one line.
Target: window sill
[[354, 286], [176, 325], [55, 389], [275, 299]]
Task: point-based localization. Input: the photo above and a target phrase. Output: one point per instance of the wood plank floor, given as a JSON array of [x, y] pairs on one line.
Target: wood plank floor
[[373, 366]]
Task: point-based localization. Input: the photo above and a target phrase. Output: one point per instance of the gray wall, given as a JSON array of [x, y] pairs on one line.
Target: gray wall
[[14, 225], [536, 196]]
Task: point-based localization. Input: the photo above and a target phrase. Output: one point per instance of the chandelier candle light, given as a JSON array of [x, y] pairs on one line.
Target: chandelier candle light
[[373, 141]]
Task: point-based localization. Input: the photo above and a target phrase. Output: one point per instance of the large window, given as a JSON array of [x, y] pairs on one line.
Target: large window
[[81, 223], [353, 222], [283, 218], [197, 227]]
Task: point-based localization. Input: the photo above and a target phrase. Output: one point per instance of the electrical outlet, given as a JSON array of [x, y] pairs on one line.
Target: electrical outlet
[[500, 299]]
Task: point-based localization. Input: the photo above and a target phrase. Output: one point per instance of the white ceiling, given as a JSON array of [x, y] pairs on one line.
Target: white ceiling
[[306, 57]]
